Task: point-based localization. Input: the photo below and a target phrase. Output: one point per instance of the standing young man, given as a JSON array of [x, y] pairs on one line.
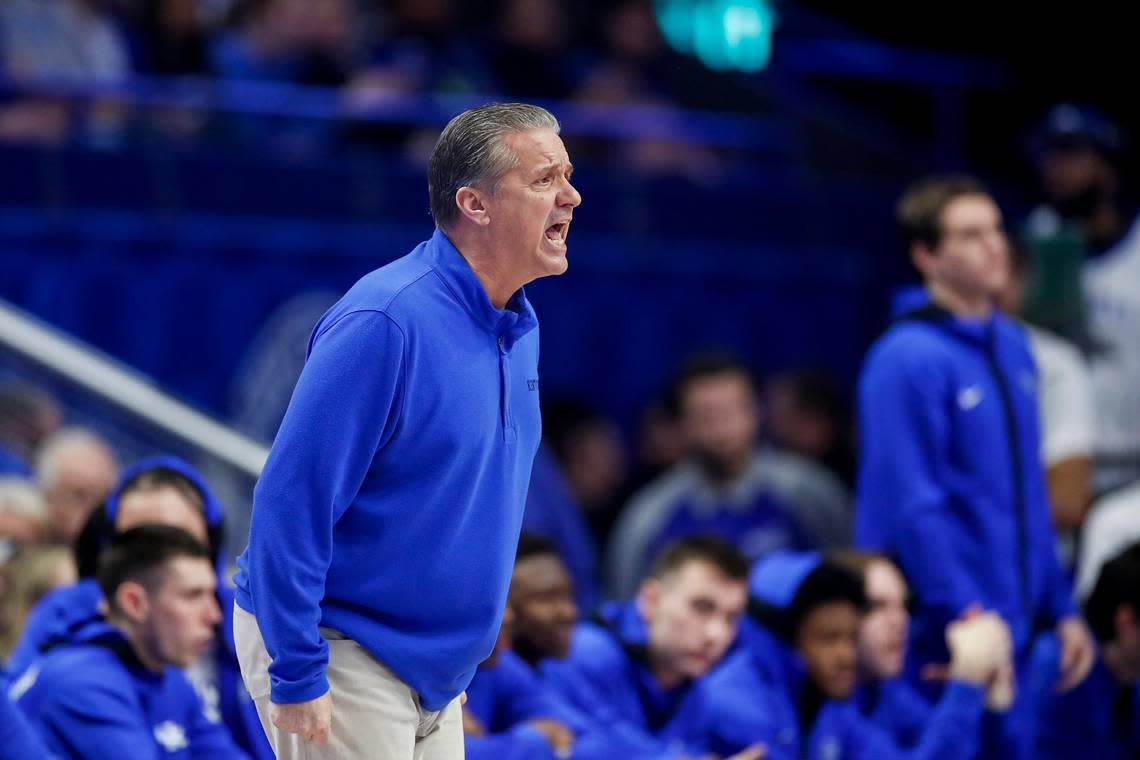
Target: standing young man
[[950, 484], [384, 524]]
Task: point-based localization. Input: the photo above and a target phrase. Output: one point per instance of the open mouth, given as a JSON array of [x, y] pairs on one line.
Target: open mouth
[[556, 233]]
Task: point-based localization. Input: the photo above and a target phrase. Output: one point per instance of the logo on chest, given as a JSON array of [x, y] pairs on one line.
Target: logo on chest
[[969, 397], [171, 736], [532, 385]]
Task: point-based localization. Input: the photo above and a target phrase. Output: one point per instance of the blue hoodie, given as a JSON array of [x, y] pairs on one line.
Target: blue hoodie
[[18, 740], [755, 696], [62, 613], [950, 484], [390, 506], [504, 696], [93, 700], [607, 678]]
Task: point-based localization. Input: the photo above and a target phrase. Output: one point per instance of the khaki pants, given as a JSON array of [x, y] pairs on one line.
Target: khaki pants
[[375, 715]]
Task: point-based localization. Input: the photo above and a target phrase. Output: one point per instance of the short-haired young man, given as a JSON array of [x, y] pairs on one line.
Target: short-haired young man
[[117, 690], [950, 484], [789, 685], [632, 670], [1101, 717]]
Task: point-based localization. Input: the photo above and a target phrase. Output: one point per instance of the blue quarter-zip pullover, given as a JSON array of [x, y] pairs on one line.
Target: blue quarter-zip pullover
[[390, 506]]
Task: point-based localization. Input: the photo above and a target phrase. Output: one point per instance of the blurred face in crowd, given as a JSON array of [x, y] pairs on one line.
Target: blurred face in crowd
[[542, 604], [81, 478], [1075, 178], [528, 214], [719, 420], [1122, 654], [172, 621], [826, 640], [163, 505], [971, 260], [886, 625], [692, 615], [594, 463]]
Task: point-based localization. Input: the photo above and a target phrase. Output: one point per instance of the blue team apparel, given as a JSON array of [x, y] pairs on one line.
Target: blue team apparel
[[503, 697], [606, 678], [93, 700], [62, 614], [761, 693], [950, 483], [390, 506]]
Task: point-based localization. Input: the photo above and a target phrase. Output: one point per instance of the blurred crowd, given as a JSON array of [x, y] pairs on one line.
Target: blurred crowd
[[369, 53], [682, 589]]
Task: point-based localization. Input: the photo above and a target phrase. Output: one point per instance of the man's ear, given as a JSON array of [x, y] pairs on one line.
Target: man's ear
[[471, 204], [132, 601], [648, 598], [923, 257]]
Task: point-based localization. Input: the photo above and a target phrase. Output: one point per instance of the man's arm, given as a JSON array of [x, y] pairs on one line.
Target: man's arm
[[902, 504], [344, 408]]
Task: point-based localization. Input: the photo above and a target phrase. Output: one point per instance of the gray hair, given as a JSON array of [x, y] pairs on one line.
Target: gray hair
[[64, 443], [471, 152]]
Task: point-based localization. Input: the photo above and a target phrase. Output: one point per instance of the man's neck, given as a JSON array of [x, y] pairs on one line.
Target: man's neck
[[666, 676], [498, 283], [139, 645], [958, 304]]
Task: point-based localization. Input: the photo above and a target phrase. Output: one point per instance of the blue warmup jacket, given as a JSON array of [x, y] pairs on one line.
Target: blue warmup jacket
[[18, 740], [606, 678], [503, 697], [63, 613], [1099, 718], [755, 695], [950, 483], [93, 700], [390, 506]]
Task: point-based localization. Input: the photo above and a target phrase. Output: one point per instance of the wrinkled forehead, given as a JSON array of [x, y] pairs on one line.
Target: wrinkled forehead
[[537, 148]]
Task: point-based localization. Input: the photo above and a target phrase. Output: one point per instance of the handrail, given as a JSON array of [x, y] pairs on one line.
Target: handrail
[[85, 366]]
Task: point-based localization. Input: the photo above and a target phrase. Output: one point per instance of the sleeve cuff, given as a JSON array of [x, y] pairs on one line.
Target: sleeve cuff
[[293, 692]]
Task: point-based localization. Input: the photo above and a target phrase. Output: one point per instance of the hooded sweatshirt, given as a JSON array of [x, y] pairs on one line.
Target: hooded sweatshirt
[[950, 484], [62, 613], [92, 699], [761, 693]]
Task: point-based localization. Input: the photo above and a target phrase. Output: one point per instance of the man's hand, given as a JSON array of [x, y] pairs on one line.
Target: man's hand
[[558, 736], [1078, 652], [472, 726], [979, 646], [310, 720]]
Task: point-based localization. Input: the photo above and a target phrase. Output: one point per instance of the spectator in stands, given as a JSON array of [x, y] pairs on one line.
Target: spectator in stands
[[157, 490], [28, 416], [1087, 242], [1065, 405], [950, 476], [541, 602], [530, 51], [632, 670], [170, 37], [807, 413], [30, 574], [509, 713], [23, 516], [76, 469], [789, 685], [299, 41], [761, 499], [117, 690], [1101, 717]]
